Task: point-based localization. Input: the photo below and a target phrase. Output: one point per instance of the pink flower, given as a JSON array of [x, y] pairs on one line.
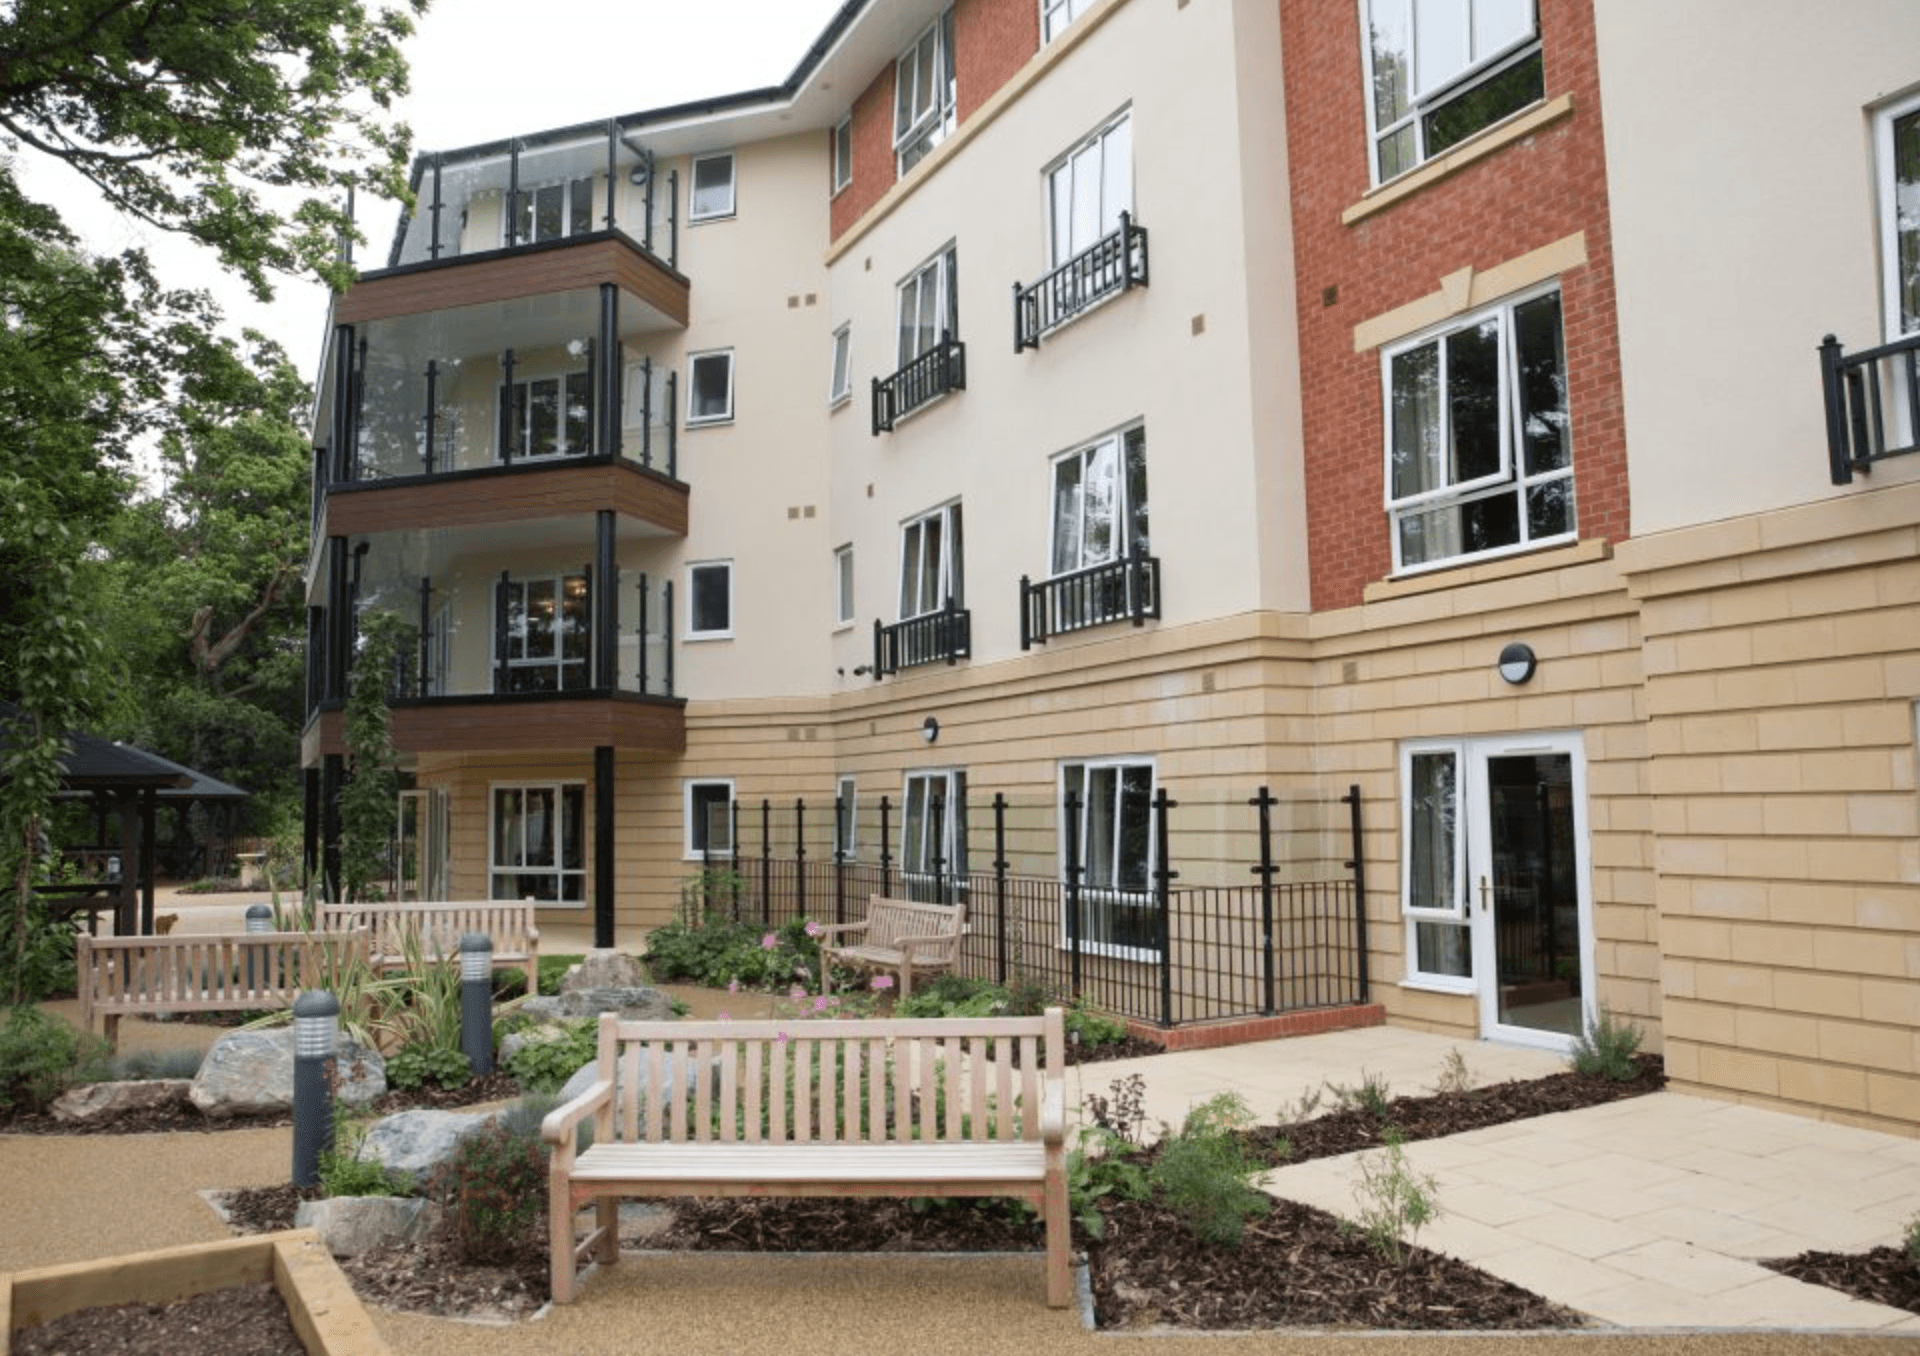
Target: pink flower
[[822, 1003], [814, 929], [780, 1036], [883, 982], [770, 941], [733, 985], [797, 992]]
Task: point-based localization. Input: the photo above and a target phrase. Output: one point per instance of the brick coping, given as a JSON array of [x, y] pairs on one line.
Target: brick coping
[[1246, 1030]]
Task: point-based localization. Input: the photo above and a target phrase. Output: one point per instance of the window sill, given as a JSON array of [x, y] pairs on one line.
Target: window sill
[[1476, 147], [708, 220], [706, 636], [839, 402], [708, 423], [1462, 988], [1483, 571]]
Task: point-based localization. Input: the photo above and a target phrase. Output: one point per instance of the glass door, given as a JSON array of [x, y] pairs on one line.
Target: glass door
[[421, 864], [1528, 882]]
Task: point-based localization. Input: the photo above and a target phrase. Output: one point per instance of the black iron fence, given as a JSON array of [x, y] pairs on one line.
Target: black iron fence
[[940, 369], [1135, 944], [1114, 263], [1873, 404]]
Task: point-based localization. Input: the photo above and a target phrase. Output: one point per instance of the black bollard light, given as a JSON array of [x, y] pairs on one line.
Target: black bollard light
[[259, 919], [476, 1001], [316, 1031]]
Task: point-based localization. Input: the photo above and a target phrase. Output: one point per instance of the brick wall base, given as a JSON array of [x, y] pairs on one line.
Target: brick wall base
[[1246, 1030]]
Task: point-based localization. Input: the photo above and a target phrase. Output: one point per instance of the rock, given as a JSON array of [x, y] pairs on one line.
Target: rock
[[418, 1141], [103, 1101], [605, 968], [634, 1003], [350, 1225], [251, 1072], [514, 1042]]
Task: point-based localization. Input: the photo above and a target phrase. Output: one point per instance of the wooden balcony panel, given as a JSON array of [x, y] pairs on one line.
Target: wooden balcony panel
[[485, 725], [509, 495], [511, 275]]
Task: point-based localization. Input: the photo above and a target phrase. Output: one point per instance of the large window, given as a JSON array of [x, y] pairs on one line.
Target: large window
[[924, 94], [539, 843], [543, 634], [1433, 854], [1106, 821], [930, 563], [546, 416], [1897, 134], [711, 192], [933, 835], [1100, 501], [1440, 70], [709, 818], [710, 600], [1087, 190], [1479, 456], [1055, 15], [840, 378], [551, 211], [929, 308], [710, 387]]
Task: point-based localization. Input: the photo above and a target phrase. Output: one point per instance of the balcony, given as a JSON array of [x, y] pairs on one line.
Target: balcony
[[1127, 589], [945, 636], [1873, 404], [940, 369], [1111, 265]]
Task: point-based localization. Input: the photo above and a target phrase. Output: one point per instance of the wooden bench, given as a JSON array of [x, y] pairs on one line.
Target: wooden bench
[[207, 972], [433, 930], [935, 1107], [900, 935]]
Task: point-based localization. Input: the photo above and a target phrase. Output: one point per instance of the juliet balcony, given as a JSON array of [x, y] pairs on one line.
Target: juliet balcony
[[1113, 264], [942, 368], [1127, 589], [1873, 404], [944, 636]]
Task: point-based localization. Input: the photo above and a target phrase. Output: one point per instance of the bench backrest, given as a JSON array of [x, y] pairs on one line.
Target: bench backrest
[[206, 972], [830, 1082], [888, 920], [435, 929]]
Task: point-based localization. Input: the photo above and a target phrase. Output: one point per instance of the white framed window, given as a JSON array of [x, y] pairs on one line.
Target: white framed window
[[1055, 15], [544, 415], [708, 815], [551, 211], [843, 613], [1433, 866], [843, 153], [1897, 154], [542, 634], [1099, 501], [1087, 190], [710, 387], [930, 563], [538, 846], [710, 600], [1441, 70], [846, 819], [840, 379], [1106, 810], [929, 308], [924, 99], [933, 834], [710, 187], [1479, 445]]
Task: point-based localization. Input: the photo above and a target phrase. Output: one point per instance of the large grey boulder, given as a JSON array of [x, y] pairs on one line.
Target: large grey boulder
[[251, 1072], [635, 1003], [103, 1101], [419, 1141], [351, 1225], [605, 968]]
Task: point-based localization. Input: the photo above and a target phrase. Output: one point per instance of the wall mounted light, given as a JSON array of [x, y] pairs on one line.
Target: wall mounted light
[[930, 729], [1517, 662]]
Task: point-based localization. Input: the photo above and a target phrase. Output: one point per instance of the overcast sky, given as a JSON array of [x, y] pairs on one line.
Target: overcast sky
[[490, 68]]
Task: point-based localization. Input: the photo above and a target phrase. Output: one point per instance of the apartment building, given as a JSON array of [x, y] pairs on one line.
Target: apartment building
[[1095, 401]]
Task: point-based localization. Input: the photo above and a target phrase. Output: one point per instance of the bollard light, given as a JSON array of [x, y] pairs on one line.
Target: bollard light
[[259, 919], [476, 1002], [316, 1034]]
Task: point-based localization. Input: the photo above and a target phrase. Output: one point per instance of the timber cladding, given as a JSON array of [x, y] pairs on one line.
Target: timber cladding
[[511, 496], [652, 727], [511, 275]]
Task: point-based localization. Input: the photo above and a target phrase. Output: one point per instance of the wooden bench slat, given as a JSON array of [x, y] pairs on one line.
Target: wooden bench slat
[[824, 1163]]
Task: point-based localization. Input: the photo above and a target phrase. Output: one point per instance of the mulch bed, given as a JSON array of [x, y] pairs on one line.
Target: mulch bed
[[1880, 1276], [240, 1320]]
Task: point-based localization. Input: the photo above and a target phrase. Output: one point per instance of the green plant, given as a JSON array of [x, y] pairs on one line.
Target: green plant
[[44, 966], [1103, 1164], [1370, 1095], [142, 1065], [40, 1058], [414, 1066], [721, 954], [494, 1189], [1395, 1202], [368, 802], [544, 1065], [426, 1012], [1912, 1240], [706, 893], [1124, 1110], [1205, 1175], [1455, 1076], [344, 1172], [349, 976], [1606, 1048]]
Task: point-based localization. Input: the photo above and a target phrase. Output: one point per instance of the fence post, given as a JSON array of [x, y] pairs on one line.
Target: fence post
[[1163, 878], [766, 861], [936, 811], [1359, 868], [1000, 887], [842, 821], [1070, 830], [1264, 802], [736, 877], [886, 862], [799, 857]]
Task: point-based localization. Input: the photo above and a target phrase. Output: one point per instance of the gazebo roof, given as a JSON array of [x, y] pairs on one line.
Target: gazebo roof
[[96, 764], [201, 787]]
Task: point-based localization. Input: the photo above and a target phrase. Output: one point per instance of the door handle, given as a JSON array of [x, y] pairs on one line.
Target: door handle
[[1483, 894]]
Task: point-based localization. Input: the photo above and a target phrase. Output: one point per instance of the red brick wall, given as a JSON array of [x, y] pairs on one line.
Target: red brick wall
[[872, 152], [1517, 199]]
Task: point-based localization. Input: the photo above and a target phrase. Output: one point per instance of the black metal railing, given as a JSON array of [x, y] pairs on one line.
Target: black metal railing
[[1113, 263], [1163, 953], [937, 637], [940, 369], [1127, 589], [1873, 404]]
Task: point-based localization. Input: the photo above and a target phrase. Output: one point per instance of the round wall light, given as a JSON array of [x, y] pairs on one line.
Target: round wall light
[[1517, 662], [930, 729]]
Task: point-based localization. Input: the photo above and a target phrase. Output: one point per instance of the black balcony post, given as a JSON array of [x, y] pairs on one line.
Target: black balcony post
[[672, 426], [1026, 613], [500, 638], [1839, 456], [334, 685], [766, 861], [426, 635], [1126, 251], [800, 858], [509, 432], [603, 831], [879, 633], [950, 629], [646, 411], [886, 861], [513, 193], [342, 421], [1163, 878], [640, 634], [607, 388], [646, 230], [1136, 582], [1019, 329], [433, 213], [1070, 832], [999, 887], [1358, 865], [1264, 803], [881, 423], [606, 600], [666, 630], [673, 218], [613, 147], [429, 419]]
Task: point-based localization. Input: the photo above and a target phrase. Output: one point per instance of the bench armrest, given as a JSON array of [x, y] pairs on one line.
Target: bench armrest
[[1053, 1114], [558, 1127], [829, 929], [533, 938]]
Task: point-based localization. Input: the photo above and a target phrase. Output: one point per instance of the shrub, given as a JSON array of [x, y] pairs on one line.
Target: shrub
[[494, 1190], [46, 965], [1102, 1164], [40, 1058], [140, 1065], [414, 1066], [716, 953], [1395, 1202], [1370, 1095], [952, 995], [1205, 1174], [1606, 1049], [544, 1065], [343, 1172]]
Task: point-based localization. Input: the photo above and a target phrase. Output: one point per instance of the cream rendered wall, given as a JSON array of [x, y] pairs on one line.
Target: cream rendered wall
[[1740, 173], [1137, 357]]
